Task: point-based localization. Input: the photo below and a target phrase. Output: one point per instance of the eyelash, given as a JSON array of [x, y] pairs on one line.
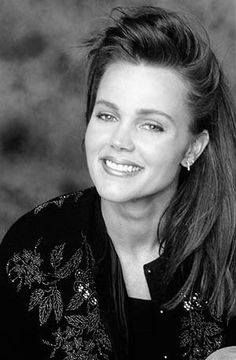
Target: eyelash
[[110, 118], [155, 127], [104, 117]]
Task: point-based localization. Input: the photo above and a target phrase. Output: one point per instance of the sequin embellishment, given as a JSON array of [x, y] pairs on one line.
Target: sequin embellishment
[[76, 328], [59, 201], [201, 333]]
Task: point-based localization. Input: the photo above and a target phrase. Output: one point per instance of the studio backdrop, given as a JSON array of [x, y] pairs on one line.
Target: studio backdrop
[[42, 90]]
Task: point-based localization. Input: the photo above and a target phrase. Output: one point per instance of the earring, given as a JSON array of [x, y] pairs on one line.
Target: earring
[[189, 163]]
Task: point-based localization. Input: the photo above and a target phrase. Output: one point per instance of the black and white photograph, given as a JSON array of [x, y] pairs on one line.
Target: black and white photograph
[[118, 180]]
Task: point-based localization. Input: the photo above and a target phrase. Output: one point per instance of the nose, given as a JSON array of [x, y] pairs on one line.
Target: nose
[[122, 139]]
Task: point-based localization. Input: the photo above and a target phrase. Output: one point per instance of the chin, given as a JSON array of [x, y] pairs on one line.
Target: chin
[[114, 193]]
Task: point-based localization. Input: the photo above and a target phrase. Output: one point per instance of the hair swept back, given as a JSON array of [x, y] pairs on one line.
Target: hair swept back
[[200, 221]]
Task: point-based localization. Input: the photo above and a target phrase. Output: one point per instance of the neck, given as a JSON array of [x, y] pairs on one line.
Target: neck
[[133, 225]]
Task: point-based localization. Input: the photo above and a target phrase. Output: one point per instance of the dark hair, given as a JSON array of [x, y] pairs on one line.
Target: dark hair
[[200, 220]]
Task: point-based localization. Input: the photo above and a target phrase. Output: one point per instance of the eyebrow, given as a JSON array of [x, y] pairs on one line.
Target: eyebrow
[[107, 103], [144, 112], [154, 111]]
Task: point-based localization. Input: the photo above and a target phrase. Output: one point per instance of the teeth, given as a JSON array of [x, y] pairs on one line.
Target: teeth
[[120, 167]]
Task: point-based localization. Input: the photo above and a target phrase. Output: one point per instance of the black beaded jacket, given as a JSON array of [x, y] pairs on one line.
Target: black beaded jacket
[[63, 294]]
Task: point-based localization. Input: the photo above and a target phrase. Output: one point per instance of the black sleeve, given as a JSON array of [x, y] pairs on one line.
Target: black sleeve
[[18, 330], [45, 238]]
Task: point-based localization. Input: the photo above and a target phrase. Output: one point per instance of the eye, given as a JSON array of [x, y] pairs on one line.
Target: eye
[[106, 117], [152, 127]]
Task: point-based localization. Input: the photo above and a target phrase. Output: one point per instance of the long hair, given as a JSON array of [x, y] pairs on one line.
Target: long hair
[[200, 221]]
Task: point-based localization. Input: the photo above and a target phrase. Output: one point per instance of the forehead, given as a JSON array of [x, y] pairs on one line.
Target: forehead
[[131, 86]]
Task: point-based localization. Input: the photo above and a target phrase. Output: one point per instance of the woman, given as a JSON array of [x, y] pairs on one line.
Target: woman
[[143, 264]]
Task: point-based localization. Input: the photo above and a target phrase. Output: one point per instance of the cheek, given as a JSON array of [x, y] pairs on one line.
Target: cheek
[[90, 138], [87, 138], [94, 142], [164, 153], [89, 149], [97, 138]]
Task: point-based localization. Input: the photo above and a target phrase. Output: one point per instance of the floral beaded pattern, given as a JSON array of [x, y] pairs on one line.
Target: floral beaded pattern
[[78, 332], [59, 201], [201, 334]]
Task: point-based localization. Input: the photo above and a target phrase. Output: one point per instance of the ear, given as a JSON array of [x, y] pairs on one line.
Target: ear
[[195, 149]]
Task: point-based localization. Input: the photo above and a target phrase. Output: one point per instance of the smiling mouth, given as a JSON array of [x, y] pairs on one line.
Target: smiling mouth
[[120, 169]]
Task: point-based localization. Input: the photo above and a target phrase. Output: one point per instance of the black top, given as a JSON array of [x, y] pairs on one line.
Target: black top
[[63, 294], [143, 324]]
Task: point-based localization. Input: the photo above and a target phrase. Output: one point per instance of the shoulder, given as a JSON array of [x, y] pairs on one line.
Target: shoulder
[[66, 201], [51, 224], [47, 278]]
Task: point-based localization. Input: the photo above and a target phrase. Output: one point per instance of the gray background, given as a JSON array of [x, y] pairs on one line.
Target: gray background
[[42, 90]]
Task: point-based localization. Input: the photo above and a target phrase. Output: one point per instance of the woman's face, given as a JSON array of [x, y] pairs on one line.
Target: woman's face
[[138, 133]]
